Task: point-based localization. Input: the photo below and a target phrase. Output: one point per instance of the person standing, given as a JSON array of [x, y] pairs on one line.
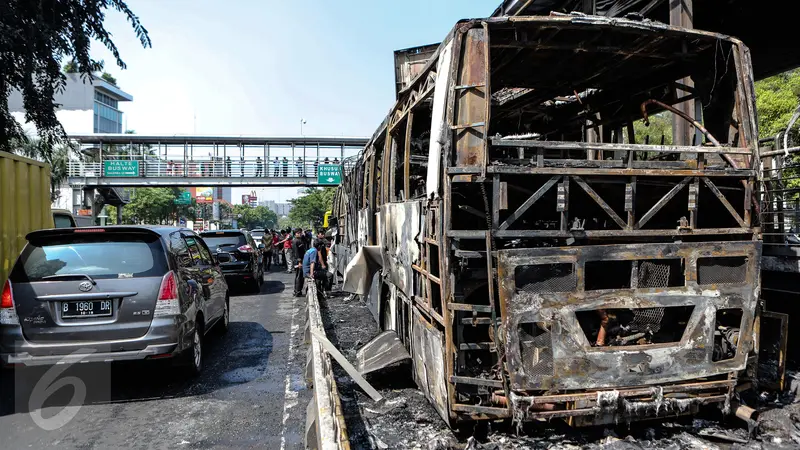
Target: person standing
[[228, 166], [316, 166], [287, 250], [298, 252], [259, 166], [299, 165], [276, 249], [323, 258], [313, 269], [267, 241], [285, 167], [276, 167], [241, 164]]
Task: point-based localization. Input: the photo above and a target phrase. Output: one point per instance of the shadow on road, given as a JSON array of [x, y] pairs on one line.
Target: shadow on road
[[239, 356], [268, 287]]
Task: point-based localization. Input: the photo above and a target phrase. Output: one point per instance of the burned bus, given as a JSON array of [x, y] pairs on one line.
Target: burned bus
[[537, 256]]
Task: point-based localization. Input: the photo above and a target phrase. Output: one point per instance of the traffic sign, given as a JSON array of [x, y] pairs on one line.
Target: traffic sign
[[184, 199], [329, 174], [120, 168]]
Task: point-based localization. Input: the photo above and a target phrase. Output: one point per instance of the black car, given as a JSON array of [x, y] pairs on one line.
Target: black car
[[258, 237], [242, 263], [110, 294]]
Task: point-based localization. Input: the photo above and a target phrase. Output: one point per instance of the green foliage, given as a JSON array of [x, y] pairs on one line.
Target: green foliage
[[71, 67], [258, 217], [309, 209], [109, 78], [660, 127], [56, 156], [776, 99], [284, 223], [154, 206], [36, 38]]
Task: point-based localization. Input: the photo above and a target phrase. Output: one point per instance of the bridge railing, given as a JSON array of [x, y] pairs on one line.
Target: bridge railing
[[780, 202], [155, 168]]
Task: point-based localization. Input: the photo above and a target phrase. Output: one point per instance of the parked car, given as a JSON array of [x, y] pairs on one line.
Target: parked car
[[62, 218], [245, 263], [112, 293]]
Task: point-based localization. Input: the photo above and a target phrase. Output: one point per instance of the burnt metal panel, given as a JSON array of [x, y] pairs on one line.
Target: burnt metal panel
[[471, 97], [576, 364], [427, 349], [401, 237]]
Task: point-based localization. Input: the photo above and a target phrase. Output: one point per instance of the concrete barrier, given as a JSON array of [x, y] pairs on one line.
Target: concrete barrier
[[325, 426]]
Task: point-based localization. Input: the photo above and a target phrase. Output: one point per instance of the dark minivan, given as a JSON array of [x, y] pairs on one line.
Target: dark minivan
[[112, 293], [242, 263]]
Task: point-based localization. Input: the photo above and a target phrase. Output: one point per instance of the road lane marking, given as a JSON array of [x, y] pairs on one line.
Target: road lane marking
[[289, 394]]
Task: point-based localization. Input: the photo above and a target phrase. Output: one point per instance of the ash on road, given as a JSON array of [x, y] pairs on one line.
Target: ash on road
[[407, 421], [251, 393]]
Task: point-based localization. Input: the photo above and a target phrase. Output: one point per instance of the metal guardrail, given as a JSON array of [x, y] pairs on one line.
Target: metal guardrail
[[325, 426], [780, 202], [236, 169]]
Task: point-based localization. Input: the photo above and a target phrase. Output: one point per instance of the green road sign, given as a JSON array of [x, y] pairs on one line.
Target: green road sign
[[120, 168], [329, 174], [184, 199]]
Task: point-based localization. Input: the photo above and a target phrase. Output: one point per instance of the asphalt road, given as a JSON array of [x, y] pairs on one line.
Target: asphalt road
[[251, 394]]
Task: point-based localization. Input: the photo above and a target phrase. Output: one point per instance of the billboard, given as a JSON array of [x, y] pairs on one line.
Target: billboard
[[204, 194]]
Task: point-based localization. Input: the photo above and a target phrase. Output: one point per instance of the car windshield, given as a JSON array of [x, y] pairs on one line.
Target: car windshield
[[106, 256], [226, 240], [62, 221], [257, 234]]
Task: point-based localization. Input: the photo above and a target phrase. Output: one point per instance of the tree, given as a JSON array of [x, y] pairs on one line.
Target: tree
[[36, 38], [154, 206], [56, 156], [258, 217], [109, 78], [776, 99], [310, 208], [660, 127], [71, 67]]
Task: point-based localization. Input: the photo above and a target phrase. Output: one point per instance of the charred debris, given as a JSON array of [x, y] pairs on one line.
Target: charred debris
[[543, 252]]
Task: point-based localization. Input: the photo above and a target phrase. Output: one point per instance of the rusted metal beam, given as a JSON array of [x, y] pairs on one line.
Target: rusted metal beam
[[519, 234], [476, 381], [599, 200], [567, 145], [664, 200], [529, 202], [725, 202], [744, 173]]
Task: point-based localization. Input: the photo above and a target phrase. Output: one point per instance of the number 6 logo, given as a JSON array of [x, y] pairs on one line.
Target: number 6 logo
[[48, 385]]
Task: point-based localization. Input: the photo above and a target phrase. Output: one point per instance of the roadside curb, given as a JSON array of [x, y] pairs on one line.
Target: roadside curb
[[325, 426]]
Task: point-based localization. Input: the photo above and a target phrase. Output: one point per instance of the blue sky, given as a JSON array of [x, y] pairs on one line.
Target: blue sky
[[254, 67]]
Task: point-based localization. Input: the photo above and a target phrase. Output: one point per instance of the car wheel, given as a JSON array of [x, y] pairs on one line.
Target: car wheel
[[226, 316], [194, 355]]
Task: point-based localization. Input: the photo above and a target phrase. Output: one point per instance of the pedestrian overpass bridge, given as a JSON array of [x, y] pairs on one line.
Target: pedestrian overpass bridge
[[130, 160]]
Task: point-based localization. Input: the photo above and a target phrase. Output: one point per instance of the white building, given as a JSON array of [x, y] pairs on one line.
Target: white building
[[86, 107], [281, 209]]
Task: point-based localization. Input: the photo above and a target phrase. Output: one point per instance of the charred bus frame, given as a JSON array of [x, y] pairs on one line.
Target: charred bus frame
[[538, 261]]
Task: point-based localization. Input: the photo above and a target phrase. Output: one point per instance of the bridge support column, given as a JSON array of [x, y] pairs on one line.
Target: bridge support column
[[681, 14], [119, 214]]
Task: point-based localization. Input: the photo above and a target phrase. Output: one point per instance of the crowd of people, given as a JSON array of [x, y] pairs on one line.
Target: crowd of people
[[301, 253], [216, 166]]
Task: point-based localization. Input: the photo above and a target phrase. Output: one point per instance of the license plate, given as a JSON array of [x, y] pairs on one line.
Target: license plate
[[98, 308]]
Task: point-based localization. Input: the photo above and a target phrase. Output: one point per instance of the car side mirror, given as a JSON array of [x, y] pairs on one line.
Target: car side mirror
[[223, 257]]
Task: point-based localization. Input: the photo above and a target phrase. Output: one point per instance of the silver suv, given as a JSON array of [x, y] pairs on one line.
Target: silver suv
[[109, 294]]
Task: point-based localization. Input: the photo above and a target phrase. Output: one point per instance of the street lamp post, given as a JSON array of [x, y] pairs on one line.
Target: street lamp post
[[302, 122]]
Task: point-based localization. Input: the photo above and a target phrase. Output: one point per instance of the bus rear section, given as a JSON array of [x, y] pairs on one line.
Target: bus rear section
[[565, 209]]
